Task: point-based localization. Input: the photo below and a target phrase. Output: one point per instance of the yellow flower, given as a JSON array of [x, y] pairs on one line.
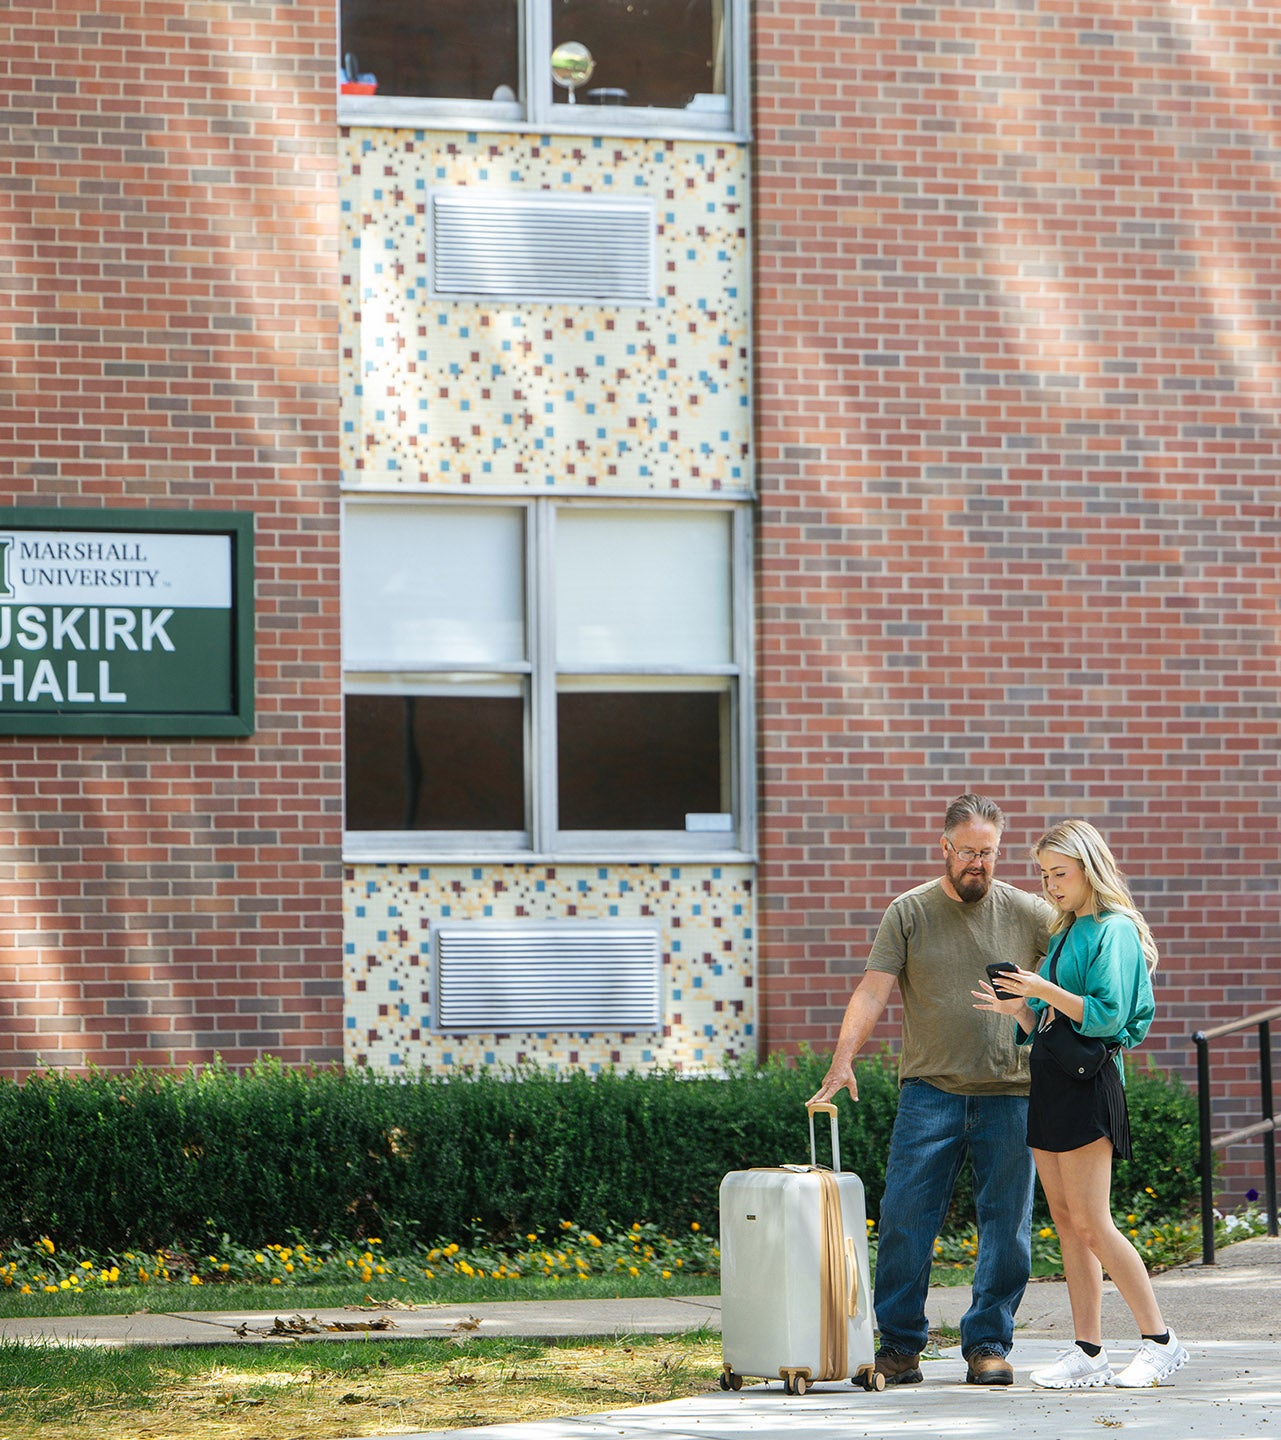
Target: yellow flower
[[632, 1270], [50, 1289], [531, 1237], [667, 1274], [196, 1280], [694, 1225], [46, 1243], [276, 1280]]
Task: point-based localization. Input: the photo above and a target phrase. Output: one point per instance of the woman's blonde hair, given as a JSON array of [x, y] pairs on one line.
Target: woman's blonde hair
[[1079, 840]]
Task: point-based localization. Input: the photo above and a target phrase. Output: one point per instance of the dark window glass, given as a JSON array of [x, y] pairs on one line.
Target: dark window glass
[[630, 760], [453, 49], [647, 52], [429, 762]]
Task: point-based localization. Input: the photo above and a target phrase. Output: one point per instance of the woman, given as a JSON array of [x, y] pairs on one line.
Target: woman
[[1097, 975]]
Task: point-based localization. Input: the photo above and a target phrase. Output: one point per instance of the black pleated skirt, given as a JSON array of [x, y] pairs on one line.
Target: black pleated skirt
[[1065, 1113]]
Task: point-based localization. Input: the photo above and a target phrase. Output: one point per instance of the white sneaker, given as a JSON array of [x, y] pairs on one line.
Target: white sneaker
[[1153, 1363], [1074, 1370]]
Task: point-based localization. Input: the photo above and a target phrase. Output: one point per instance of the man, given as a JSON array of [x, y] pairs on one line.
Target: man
[[963, 1090]]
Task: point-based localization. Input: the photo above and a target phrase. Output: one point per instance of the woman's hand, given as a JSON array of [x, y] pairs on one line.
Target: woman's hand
[[1020, 983], [988, 1000]]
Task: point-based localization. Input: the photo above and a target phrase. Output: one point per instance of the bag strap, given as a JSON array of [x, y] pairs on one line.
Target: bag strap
[[1054, 959], [1113, 1046], [834, 1299]]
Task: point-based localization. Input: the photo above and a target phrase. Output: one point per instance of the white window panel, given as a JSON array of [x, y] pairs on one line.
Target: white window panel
[[432, 586], [636, 589]]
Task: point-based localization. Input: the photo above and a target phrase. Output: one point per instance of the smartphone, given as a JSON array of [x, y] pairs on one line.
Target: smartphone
[[995, 969]]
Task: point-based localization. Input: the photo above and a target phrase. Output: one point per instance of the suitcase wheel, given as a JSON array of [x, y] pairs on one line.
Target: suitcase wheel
[[794, 1383], [730, 1381], [870, 1378]]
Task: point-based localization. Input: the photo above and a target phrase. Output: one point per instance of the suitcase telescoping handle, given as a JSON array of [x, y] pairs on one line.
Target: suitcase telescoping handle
[[829, 1110]]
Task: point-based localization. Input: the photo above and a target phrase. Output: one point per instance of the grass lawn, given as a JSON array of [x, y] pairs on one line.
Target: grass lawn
[[323, 1389]]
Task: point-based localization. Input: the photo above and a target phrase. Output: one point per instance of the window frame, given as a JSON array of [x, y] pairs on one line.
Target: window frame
[[540, 111], [543, 841]]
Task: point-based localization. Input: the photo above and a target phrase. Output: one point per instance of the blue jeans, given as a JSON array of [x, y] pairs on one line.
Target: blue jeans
[[933, 1133]]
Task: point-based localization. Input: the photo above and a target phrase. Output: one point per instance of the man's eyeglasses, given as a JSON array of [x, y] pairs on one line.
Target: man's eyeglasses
[[967, 856]]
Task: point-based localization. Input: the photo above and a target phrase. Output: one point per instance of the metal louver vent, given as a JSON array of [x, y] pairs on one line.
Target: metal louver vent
[[540, 976], [541, 247]]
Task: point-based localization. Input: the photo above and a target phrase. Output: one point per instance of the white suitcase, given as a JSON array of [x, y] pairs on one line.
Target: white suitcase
[[796, 1298]]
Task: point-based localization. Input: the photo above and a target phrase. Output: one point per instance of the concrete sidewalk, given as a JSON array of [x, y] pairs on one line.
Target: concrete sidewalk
[[1229, 1315]]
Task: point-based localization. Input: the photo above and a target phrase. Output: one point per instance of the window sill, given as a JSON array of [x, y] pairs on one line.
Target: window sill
[[405, 112], [386, 849]]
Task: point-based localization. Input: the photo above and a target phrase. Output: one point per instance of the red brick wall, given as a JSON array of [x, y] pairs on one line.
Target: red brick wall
[[1018, 416], [168, 219]]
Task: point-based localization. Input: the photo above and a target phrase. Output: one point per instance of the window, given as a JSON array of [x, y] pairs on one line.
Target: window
[[607, 66], [544, 677]]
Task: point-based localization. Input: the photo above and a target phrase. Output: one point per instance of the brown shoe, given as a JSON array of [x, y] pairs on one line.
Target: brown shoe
[[985, 1367], [898, 1369]]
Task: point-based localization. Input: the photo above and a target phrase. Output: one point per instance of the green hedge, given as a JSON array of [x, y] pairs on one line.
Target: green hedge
[[107, 1161]]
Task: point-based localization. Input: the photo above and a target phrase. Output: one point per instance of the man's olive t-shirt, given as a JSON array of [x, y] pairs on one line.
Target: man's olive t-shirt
[[938, 948]]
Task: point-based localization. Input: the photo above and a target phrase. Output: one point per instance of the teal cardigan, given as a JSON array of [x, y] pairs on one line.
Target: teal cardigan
[[1102, 961]]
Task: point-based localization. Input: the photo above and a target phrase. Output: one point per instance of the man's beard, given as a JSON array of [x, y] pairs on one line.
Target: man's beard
[[970, 887]]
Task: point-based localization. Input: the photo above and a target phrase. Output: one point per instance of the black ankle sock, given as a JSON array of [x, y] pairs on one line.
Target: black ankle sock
[[1159, 1339], [1090, 1350]]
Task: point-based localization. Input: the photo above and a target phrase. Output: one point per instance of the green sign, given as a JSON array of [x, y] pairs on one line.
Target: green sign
[[126, 622]]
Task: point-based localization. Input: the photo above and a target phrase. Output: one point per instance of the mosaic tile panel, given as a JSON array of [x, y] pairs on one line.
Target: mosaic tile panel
[[705, 914], [545, 397]]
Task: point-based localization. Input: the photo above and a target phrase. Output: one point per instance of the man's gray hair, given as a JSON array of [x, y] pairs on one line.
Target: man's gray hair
[[973, 807]]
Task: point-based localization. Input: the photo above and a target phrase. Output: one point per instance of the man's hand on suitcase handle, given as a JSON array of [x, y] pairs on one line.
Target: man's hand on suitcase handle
[[838, 1077]]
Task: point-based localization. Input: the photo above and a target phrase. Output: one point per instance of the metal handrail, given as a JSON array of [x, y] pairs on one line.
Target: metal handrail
[[1265, 1127]]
